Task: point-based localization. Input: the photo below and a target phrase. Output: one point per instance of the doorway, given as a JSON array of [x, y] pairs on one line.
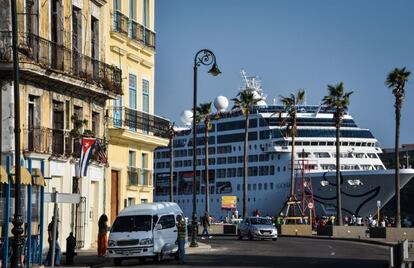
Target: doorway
[[114, 195]]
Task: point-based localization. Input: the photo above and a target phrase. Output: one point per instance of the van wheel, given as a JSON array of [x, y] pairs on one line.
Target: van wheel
[[240, 237], [117, 261], [158, 257]]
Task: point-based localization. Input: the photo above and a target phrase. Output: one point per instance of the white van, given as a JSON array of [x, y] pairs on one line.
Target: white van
[[145, 230]]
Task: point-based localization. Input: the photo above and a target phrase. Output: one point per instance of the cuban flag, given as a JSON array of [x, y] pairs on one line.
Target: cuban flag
[[87, 148]]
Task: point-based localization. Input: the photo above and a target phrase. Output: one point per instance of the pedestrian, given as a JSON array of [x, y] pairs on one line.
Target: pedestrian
[[103, 235], [181, 235], [206, 224], [58, 252], [70, 248]]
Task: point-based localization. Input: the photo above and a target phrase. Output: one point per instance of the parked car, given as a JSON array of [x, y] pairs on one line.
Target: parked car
[[257, 227], [146, 230]]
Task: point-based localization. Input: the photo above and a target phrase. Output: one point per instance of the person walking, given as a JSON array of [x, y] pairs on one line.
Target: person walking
[[206, 225], [181, 235], [103, 235], [58, 252]]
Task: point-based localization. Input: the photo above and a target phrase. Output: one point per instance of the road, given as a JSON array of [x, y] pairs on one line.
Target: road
[[285, 253]]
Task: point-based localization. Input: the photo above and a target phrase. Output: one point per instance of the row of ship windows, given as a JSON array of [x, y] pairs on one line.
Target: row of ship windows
[[352, 167], [342, 155], [273, 133], [274, 121], [229, 149], [212, 200], [219, 160]]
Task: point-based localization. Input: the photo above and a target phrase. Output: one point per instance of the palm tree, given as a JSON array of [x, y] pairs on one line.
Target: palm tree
[[396, 81], [290, 104], [245, 101], [203, 113], [338, 100]]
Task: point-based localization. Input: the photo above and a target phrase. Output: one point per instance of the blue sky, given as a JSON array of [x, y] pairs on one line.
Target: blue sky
[[290, 45]]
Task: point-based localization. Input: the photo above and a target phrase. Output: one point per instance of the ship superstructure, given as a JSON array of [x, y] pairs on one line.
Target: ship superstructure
[[364, 178]]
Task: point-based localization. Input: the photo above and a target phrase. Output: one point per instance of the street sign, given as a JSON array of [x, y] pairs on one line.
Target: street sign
[[378, 204], [310, 205]]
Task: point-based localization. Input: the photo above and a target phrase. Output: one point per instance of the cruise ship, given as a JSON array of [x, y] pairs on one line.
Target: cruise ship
[[365, 181]]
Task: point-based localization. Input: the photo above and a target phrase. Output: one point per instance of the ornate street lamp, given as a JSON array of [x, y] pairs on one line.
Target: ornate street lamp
[[17, 220], [202, 57], [171, 134]]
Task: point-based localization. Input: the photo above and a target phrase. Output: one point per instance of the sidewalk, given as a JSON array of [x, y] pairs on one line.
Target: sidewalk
[[89, 258]]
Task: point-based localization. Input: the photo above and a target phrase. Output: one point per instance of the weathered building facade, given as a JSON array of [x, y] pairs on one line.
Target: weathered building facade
[[65, 84], [134, 131]]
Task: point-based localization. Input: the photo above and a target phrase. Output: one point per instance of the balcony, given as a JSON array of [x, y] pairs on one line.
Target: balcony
[[132, 29], [150, 38], [137, 31], [121, 23], [139, 177], [50, 56], [38, 140], [123, 117]]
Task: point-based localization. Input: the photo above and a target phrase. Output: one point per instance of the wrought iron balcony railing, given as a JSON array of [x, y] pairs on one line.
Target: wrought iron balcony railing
[[137, 31], [38, 140], [48, 54], [137, 120], [149, 38], [139, 177], [121, 22]]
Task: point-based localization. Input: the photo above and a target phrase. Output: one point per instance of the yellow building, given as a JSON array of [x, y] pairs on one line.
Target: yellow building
[[65, 83], [134, 131]]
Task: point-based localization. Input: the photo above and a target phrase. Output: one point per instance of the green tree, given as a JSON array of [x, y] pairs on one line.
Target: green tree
[[203, 113], [396, 81], [245, 101], [290, 104], [337, 100]]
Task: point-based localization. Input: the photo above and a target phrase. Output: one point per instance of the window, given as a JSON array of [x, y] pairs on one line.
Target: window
[[131, 201], [117, 5], [254, 187], [238, 187], [259, 186], [132, 224], [95, 123], [271, 186], [146, 14], [132, 86], [167, 221], [265, 186], [144, 166], [133, 9], [249, 188], [145, 95]]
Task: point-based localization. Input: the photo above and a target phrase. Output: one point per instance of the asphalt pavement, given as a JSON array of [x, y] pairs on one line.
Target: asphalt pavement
[[285, 252]]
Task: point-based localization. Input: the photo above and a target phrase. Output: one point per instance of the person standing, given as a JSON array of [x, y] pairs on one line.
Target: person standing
[[58, 252], [102, 235], [206, 225], [181, 235]]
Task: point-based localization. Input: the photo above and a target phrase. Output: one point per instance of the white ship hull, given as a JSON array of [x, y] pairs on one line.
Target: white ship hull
[[375, 185]]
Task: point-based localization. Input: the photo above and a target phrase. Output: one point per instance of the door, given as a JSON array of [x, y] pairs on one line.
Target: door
[[166, 235], [114, 195], [93, 213], [58, 120]]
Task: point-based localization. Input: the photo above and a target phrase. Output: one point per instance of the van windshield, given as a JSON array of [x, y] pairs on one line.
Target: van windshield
[[132, 223]]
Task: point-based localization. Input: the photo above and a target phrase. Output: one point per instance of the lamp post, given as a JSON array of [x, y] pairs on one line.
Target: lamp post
[[202, 57], [171, 134], [17, 220]]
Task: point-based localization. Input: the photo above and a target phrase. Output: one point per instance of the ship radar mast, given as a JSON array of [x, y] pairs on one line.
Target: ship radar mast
[[254, 84]]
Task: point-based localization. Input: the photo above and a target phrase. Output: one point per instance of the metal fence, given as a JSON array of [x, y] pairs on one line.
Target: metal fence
[[137, 120], [51, 55]]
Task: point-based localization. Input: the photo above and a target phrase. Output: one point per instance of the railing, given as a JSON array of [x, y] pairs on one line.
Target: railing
[[137, 31], [39, 140], [149, 38], [55, 56], [136, 120], [133, 173], [139, 177], [121, 22]]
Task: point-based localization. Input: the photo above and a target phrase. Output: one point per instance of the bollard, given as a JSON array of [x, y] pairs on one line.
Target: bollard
[[391, 257], [70, 248]]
